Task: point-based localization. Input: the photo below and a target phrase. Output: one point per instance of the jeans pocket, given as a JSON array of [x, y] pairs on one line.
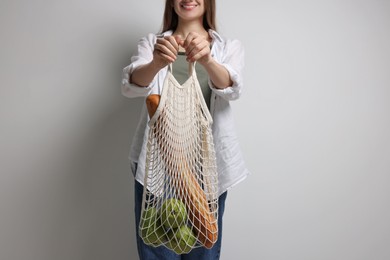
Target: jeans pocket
[[133, 167]]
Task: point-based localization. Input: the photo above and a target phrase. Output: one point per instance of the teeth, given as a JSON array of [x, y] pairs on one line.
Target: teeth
[[188, 6]]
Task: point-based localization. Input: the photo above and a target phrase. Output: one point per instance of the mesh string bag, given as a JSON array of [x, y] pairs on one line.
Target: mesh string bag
[[180, 198]]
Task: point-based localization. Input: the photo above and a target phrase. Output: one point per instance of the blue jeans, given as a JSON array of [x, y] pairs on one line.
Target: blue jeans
[[146, 252]]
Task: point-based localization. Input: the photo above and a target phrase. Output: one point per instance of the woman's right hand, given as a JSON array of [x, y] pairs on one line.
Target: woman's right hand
[[165, 51]]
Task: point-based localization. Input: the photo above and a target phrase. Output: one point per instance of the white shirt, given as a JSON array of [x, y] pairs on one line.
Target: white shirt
[[230, 54]]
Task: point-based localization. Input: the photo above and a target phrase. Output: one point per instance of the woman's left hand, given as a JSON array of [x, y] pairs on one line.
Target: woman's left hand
[[197, 48]]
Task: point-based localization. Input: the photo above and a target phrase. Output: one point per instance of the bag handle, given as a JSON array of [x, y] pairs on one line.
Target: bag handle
[[191, 68]]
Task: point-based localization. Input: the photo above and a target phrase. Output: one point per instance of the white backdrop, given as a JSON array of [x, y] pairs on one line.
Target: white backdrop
[[314, 123]]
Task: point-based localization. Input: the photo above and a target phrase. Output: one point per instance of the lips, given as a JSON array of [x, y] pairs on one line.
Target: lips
[[188, 6]]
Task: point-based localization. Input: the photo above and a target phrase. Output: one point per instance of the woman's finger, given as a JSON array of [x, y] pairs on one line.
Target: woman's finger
[[172, 40], [166, 50], [196, 47], [188, 40], [169, 43], [164, 57]]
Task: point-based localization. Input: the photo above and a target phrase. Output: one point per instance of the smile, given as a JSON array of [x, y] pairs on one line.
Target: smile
[[188, 7]]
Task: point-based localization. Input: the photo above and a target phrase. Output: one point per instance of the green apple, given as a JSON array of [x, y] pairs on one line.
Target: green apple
[[155, 235], [182, 240], [149, 216], [173, 213], [151, 229]]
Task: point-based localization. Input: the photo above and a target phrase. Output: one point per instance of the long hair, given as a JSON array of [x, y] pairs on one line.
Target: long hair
[[171, 20]]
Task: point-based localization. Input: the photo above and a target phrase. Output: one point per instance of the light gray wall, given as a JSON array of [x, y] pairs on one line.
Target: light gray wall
[[314, 123]]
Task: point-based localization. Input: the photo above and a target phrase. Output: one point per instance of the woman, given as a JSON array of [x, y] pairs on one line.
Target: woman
[[189, 35]]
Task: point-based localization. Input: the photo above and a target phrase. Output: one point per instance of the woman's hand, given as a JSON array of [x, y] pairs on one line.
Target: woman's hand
[[165, 51], [197, 48]]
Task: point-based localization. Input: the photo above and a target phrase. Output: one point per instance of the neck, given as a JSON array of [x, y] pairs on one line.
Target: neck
[[185, 27]]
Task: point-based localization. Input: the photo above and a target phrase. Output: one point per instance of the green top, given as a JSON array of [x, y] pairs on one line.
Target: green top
[[180, 72]]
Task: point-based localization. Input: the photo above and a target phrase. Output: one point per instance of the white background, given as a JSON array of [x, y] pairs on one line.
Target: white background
[[314, 124]]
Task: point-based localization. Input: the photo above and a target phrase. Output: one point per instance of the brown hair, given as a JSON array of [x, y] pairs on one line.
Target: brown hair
[[171, 19]]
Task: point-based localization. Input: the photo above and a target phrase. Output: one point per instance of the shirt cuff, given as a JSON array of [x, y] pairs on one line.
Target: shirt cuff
[[232, 92], [130, 89]]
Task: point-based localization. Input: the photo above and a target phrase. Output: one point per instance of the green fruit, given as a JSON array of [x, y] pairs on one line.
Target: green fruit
[[173, 213], [182, 240], [151, 229], [155, 235], [148, 218]]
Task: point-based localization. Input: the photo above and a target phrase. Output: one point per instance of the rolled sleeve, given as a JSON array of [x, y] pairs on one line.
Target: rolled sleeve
[[233, 61], [143, 55]]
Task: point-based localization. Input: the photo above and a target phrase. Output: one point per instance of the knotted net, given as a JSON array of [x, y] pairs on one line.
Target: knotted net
[[180, 199]]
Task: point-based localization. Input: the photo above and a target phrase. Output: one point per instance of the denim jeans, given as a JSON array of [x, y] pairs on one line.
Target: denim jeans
[[146, 252]]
